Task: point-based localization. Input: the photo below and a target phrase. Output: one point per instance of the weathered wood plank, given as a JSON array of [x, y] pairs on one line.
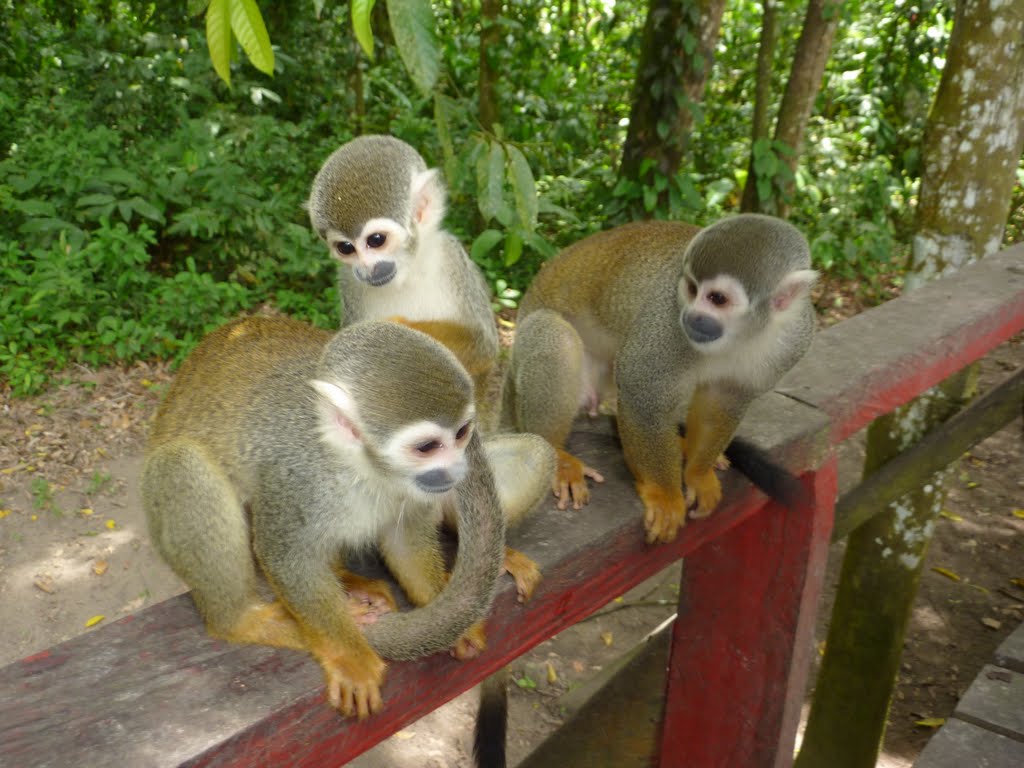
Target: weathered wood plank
[[1010, 653], [962, 745], [995, 701], [745, 627], [154, 690], [870, 364]]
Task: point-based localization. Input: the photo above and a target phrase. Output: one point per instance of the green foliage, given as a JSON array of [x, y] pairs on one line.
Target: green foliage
[[231, 21], [143, 201]]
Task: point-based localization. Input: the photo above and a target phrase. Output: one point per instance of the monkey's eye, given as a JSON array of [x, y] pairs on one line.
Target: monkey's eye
[[376, 240], [718, 298], [463, 431], [345, 248], [691, 288], [428, 447]]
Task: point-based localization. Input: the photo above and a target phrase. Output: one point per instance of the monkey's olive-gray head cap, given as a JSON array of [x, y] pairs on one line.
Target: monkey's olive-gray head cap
[[369, 177], [397, 376], [754, 248]]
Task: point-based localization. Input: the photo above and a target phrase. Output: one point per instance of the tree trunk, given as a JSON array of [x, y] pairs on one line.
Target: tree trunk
[[812, 51], [973, 143], [762, 96], [490, 37], [675, 59]]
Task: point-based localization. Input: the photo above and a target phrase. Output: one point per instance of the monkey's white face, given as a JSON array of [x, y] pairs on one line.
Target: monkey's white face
[[375, 253], [432, 457], [712, 310]]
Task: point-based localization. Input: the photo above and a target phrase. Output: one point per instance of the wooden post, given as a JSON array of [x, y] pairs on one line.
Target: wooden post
[[742, 643]]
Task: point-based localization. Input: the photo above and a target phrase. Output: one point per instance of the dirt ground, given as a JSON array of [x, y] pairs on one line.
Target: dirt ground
[[74, 553]]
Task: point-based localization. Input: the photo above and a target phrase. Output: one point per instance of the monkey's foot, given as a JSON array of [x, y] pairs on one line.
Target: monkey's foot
[[703, 492], [570, 482], [368, 599], [664, 511], [722, 462], [525, 572], [471, 644], [353, 678]]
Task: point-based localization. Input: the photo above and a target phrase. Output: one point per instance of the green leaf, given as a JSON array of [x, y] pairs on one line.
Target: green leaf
[[361, 12], [490, 171], [484, 244], [413, 24], [99, 198], [218, 38], [524, 188], [195, 7], [513, 248], [248, 26], [444, 136]]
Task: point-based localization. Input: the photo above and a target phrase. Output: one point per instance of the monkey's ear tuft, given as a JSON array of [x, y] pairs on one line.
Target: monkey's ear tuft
[[792, 287], [429, 199], [341, 408]]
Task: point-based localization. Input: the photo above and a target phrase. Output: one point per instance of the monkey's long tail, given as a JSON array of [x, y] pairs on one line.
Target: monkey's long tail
[[492, 721], [775, 481]]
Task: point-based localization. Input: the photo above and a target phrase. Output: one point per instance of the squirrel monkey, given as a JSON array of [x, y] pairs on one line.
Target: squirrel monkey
[[695, 324], [379, 209], [312, 446]]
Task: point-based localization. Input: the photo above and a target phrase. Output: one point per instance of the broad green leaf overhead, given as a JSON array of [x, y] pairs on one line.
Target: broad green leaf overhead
[[361, 10], [248, 26], [413, 24], [218, 38]]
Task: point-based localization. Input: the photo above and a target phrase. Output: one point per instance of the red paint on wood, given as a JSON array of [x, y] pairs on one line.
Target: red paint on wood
[[741, 644], [948, 356]]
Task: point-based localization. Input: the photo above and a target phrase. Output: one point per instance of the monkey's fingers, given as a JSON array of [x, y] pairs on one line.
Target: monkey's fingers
[[471, 644], [703, 492], [570, 483], [664, 511], [353, 685], [368, 599], [525, 572]]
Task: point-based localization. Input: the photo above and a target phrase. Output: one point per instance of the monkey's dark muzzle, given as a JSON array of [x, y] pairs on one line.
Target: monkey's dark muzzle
[[701, 329], [382, 273]]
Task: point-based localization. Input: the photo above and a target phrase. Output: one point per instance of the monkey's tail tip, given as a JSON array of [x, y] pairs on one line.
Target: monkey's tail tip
[[492, 722], [776, 482]]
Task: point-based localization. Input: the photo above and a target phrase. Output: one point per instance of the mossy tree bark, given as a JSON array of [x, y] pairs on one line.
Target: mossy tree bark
[[675, 59], [972, 147], [802, 88]]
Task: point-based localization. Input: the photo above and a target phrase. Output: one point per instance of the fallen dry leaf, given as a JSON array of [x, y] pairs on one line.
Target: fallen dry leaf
[[100, 567], [95, 620], [947, 573], [951, 516], [44, 584], [111, 525], [552, 674], [1018, 513], [606, 637], [931, 722], [992, 623]]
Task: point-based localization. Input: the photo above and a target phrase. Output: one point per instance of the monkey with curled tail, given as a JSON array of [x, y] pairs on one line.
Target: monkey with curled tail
[[312, 447]]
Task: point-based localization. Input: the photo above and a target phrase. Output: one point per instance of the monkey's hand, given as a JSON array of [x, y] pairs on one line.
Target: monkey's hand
[[368, 599], [354, 678], [664, 511], [471, 644], [525, 572], [703, 491], [570, 482]]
